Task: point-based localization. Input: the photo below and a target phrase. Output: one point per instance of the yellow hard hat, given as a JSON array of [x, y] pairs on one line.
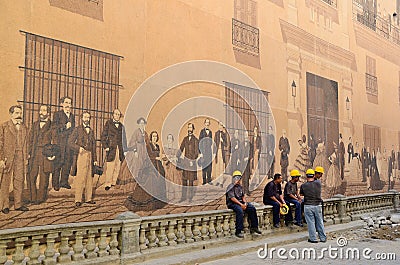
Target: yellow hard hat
[[236, 173], [295, 173], [284, 209], [319, 170], [310, 172]]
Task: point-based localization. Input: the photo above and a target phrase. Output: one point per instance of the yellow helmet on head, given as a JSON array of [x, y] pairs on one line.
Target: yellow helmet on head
[[319, 170], [295, 173], [236, 173], [310, 172]]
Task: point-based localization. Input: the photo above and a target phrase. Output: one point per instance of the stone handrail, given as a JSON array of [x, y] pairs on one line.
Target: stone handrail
[[132, 238]]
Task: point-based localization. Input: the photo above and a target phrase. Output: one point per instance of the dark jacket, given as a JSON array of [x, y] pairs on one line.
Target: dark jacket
[[37, 139], [111, 137], [60, 119], [80, 138]]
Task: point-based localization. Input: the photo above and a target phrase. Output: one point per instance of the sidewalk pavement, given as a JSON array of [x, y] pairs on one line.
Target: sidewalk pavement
[[249, 245]]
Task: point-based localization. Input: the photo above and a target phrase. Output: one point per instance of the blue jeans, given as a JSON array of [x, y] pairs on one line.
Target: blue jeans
[[251, 213], [297, 204], [315, 224], [276, 213]]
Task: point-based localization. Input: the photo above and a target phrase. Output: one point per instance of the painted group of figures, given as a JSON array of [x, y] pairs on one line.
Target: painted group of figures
[[60, 148], [375, 167], [56, 147], [217, 155]]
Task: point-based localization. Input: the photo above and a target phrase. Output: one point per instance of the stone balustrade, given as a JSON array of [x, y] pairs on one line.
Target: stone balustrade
[[134, 238]]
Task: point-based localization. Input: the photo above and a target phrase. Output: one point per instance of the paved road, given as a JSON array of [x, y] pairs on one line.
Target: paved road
[[377, 247]]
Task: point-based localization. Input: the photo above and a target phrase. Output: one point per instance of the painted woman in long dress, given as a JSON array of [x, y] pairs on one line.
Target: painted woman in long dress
[[321, 158], [302, 162], [135, 159], [171, 172], [333, 179]]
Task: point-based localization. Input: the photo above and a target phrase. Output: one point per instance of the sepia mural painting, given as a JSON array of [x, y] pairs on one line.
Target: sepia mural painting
[[150, 106]]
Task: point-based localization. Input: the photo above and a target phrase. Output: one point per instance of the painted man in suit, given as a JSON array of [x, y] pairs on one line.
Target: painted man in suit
[[284, 147], [206, 144], [39, 135], [350, 150], [190, 148], [246, 159], [270, 152], [63, 125], [13, 159], [342, 154], [235, 153], [83, 142], [113, 139], [222, 151]]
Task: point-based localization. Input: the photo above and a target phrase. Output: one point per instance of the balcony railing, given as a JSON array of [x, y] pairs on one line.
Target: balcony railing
[[245, 37], [388, 28], [371, 84], [331, 2], [131, 238]]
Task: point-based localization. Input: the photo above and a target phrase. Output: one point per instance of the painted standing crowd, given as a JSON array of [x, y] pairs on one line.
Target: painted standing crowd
[[61, 148]]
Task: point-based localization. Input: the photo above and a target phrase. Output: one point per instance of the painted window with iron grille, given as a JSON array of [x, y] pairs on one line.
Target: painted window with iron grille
[[54, 69]]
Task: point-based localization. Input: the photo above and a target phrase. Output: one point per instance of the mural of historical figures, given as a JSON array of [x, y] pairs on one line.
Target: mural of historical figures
[[302, 162], [206, 144], [246, 157], [375, 181], [284, 147], [313, 148], [270, 152], [39, 165], [222, 151], [257, 145], [189, 152], [333, 179], [171, 172], [341, 154], [235, 152], [113, 140]]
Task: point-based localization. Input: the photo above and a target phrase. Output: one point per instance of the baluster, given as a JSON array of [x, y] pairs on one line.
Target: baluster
[[188, 231], [64, 248], [267, 221], [142, 236], [180, 235], [152, 236], [245, 223], [3, 247], [78, 246], [19, 255], [218, 227], [35, 251], [196, 229], [114, 241], [103, 242], [232, 222], [50, 250], [171, 233], [204, 228], [91, 244], [162, 237], [226, 225], [211, 228]]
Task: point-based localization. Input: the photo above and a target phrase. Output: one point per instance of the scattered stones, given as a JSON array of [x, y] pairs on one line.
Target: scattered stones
[[383, 226], [395, 218]]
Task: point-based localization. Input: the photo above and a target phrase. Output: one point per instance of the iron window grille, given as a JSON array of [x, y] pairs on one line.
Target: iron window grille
[[54, 69]]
